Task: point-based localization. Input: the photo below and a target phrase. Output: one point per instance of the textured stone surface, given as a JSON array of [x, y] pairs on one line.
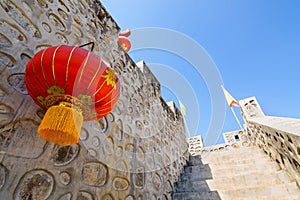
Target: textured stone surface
[[240, 172], [195, 145], [259, 162], [135, 152], [234, 136], [278, 137]]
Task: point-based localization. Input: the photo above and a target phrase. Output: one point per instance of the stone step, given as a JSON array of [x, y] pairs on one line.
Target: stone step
[[290, 190], [238, 179], [204, 167], [236, 163], [220, 164], [243, 191], [194, 160], [214, 195], [229, 170], [233, 154], [273, 197], [236, 151], [244, 153], [244, 173], [245, 166], [234, 159], [236, 182], [194, 186], [210, 195], [204, 175]]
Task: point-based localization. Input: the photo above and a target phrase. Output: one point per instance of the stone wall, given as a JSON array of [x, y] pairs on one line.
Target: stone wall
[[234, 136], [135, 152], [243, 142], [278, 137]]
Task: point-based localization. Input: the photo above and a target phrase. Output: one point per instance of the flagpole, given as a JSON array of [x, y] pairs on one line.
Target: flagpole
[[231, 101], [238, 121]]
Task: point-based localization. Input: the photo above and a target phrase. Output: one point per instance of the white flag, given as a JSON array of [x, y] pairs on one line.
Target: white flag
[[230, 100], [182, 108]]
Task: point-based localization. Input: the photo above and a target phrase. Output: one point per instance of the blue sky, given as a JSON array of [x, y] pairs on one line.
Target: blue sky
[[254, 44]]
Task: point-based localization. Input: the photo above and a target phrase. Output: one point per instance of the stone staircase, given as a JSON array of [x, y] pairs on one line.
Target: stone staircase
[[244, 173]]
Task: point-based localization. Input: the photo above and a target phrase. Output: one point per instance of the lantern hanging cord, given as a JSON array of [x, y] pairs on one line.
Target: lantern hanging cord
[[90, 43]]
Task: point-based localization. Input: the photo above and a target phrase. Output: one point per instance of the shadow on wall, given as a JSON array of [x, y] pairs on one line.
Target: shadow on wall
[[192, 182]]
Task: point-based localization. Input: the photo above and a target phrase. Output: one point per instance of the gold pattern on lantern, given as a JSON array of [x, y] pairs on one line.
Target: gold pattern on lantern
[[124, 46], [110, 78]]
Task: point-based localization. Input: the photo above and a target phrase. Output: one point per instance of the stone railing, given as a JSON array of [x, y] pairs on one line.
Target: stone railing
[[135, 152], [280, 139]]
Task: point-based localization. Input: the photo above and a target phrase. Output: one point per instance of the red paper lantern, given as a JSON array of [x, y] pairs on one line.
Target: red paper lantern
[[73, 85], [125, 43]]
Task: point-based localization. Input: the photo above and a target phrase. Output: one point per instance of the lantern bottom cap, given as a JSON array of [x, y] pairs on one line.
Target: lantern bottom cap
[[61, 125]]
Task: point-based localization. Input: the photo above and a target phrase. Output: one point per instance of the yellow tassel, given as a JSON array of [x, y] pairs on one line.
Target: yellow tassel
[[61, 124]]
